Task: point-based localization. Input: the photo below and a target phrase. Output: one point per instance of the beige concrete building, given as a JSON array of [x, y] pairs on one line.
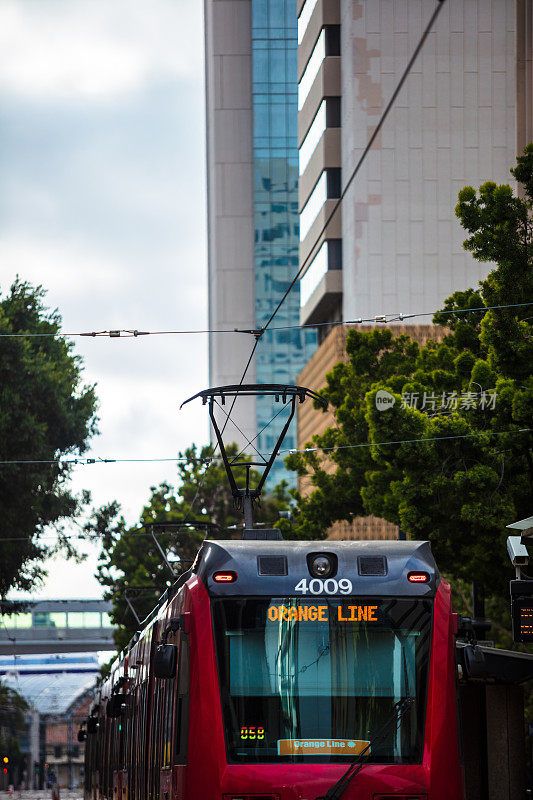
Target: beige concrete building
[[229, 124], [395, 245], [462, 116]]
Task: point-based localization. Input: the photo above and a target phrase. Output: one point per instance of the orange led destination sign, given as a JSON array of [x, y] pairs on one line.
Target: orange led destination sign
[[321, 747], [320, 613]]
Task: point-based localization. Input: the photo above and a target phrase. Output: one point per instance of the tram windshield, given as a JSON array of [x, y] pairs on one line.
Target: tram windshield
[[314, 680]]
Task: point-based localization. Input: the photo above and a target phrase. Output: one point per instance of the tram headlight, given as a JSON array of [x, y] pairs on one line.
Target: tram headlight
[[321, 566]]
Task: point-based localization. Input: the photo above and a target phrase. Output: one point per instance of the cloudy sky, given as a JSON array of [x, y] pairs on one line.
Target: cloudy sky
[[103, 203]]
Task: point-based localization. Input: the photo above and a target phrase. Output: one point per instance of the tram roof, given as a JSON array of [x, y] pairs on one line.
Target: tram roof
[[274, 568]]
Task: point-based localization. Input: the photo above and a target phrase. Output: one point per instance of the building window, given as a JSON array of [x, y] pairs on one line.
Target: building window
[[58, 619], [305, 16], [328, 186], [329, 257], [327, 116], [84, 619], [46, 619], [16, 620], [327, 44]]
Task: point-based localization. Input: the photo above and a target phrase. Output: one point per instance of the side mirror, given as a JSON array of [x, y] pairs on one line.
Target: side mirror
[[82, 735], [92, 724], [114, 706], [166, 661]]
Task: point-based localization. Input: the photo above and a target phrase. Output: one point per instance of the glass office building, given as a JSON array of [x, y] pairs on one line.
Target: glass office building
[[282, 353], [268, 114]]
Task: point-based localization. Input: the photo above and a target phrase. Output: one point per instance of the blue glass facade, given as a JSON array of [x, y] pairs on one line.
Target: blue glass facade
[[281, 354]]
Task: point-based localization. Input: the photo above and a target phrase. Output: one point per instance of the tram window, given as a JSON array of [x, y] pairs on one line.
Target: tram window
[[113, 752], [163, 724], [140, 741], [129, 735], [99, 756], [120, 724], [182, 705], [167, 689], [316, 679], [153, 763], [107, 755]]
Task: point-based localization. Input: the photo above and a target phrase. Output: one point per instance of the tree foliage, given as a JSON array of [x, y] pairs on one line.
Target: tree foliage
[[458, 492], [45, 413], [131, 565]]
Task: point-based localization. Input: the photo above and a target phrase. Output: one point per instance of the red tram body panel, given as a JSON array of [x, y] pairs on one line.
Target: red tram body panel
[[278, 676]]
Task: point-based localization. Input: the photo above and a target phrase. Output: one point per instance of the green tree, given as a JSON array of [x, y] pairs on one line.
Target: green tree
[[130, 564], [458, 492], [45, 413]]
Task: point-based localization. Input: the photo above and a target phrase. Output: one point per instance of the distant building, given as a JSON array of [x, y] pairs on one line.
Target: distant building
[[56, 626], [63, 753], [252, 174], [58, 689]]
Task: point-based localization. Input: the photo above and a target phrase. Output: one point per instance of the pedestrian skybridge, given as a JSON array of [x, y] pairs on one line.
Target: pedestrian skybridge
[[56, 626]]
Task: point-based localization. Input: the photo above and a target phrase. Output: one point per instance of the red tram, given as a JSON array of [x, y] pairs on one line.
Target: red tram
[[273, 669]]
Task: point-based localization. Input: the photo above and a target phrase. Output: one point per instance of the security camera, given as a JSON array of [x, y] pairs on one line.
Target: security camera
[[517, 551]]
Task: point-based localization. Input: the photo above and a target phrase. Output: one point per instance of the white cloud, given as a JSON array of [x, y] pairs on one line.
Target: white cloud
[[95, 288], [68, 580], [95, 50], [103, 204], [140, 382], [60, 265]]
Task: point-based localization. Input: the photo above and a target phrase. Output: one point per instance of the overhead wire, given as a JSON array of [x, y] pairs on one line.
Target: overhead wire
[[409, 441], [81, 461], [384, 319], [292, 451], [117, 333], [263, 429], [248, 441]]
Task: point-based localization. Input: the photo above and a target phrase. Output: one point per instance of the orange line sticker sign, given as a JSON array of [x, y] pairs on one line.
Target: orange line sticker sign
[[320, 613], [321, 747]]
